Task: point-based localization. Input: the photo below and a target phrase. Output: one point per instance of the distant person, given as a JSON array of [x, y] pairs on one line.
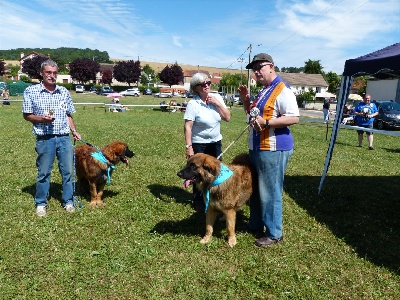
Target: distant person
[[6, 96], [184, 104], [326, 109], [202, 124], [365, 113], [49, 108], [348, 115]]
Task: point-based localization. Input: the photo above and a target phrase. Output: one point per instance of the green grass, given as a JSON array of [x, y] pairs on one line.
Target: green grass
[[342, 244]]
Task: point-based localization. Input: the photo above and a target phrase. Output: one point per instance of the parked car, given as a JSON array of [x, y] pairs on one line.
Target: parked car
[[105, 90], [165, 95], [147, 92], [235, 99], [131, 92], [187, 94], [93, 90], [223, 95], [388, 115], [79, 88]]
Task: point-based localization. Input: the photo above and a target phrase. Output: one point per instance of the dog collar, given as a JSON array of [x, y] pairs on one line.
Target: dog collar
[[100, 157], [224, 174]]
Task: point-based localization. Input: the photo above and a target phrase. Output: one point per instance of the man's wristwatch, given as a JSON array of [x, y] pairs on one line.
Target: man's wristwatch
[[188, 146]]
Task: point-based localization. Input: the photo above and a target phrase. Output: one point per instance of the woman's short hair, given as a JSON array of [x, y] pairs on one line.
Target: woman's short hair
[[196, 79]]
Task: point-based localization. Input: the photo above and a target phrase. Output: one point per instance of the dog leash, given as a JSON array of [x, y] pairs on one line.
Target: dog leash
[[77, 203], [254, 112], [234, 141], [89, 144]]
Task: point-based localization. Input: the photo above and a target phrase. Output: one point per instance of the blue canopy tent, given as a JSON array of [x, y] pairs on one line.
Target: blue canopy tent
[[384, 63]]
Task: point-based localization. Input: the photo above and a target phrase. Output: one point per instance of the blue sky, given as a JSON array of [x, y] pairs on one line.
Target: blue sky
[[214, 33]]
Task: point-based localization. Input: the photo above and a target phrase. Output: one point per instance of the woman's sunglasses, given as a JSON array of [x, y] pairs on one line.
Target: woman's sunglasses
[[204, 84]]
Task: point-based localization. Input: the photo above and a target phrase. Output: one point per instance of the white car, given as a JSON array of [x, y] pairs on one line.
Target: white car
[[235, 99], [131, 92], [80, 89], [165, 95]]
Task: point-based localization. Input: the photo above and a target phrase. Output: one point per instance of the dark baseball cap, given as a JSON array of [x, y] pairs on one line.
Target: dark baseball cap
[[260, 57]]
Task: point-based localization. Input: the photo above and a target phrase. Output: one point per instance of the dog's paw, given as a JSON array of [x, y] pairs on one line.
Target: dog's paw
[[100, 203], [205, 240], [232, 242]]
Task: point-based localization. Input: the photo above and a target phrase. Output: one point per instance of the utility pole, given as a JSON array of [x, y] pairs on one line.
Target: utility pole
[[241, 59], [248, 71]]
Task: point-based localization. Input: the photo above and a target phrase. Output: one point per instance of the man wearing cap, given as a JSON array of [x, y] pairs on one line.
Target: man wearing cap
[[270, 147]]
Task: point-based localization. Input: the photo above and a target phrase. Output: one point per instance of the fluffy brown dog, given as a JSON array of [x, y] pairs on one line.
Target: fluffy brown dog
[[93, 173], [226, 197]]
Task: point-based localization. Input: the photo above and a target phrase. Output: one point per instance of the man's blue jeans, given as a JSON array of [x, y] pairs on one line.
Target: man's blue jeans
[[266, 202], [49, 147]]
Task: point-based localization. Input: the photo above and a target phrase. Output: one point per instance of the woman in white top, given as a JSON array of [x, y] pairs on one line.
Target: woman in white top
[[202, 124]]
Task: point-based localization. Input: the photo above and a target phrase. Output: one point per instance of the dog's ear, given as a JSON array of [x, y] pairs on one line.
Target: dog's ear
[[211, 164]]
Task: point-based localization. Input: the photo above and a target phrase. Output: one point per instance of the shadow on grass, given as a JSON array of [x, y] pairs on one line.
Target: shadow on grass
[[193, 225], [165, 193], [196, 225], [363, 211], [56, 192]]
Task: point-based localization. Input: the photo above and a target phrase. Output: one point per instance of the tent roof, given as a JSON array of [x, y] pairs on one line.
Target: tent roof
[[382, 64]]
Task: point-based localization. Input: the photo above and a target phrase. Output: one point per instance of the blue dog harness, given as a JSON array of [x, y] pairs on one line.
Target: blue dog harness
[[224, 174], [100, 157]]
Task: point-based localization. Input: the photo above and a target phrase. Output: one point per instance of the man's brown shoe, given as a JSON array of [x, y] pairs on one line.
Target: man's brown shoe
[[266, 241]]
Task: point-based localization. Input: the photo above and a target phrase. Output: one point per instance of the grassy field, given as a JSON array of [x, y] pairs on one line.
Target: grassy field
[[144, 244]]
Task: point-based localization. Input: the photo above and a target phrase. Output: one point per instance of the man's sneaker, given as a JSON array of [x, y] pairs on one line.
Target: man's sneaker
[[41, 211], [70, 208]]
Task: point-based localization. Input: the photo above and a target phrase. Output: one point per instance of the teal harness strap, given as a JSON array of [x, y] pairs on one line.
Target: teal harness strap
[[100, 156], [224, 174]]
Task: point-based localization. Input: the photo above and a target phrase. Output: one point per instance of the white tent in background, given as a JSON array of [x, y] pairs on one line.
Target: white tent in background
[[384, 63], [355, 97], [325, 95]]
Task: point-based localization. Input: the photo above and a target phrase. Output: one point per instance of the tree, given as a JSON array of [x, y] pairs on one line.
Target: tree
[[172, 74], [31, 66], [313, 67], [83, 69], [333, 81], [305, 96], [25, 79], [361, 83], [14, 69], [292, 69], [148, 75], [127, 71], [232, 80], [107, 76]]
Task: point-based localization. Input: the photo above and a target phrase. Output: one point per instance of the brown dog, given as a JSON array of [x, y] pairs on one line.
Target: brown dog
[[93, 173], [226, 197]]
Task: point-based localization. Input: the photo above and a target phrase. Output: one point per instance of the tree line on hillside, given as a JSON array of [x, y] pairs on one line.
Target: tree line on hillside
[[84, 70]]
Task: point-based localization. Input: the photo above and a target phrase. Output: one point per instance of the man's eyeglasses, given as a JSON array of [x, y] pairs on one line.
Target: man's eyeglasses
[[50, 73], [204, 84], [259, 67]]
